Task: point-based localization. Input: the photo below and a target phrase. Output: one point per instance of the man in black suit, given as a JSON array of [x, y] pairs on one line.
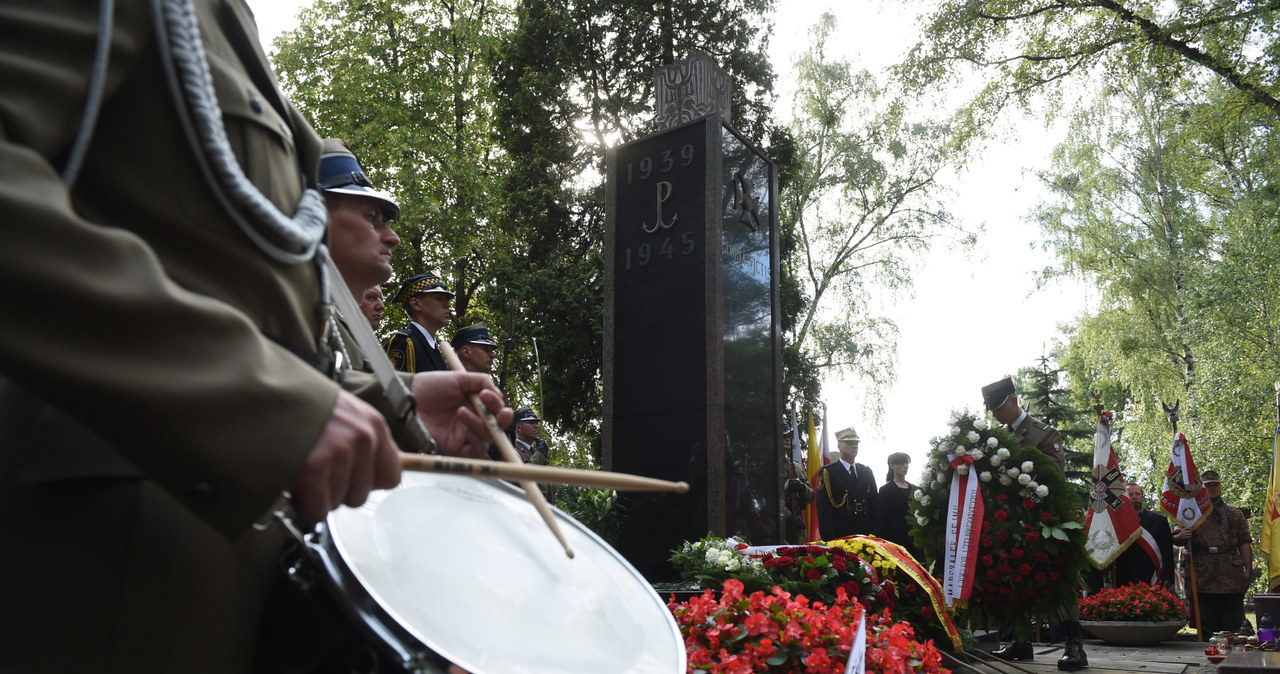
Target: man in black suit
[[428, 303], [1137, 563], [846, 492]]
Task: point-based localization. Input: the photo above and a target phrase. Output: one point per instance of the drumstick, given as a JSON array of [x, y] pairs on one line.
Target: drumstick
[[599, 479], [508, 452]]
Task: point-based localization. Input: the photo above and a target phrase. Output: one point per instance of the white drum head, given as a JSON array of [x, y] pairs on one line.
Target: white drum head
[[468, 567]]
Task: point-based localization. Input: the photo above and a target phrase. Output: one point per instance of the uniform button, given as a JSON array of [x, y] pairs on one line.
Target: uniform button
[[255, 104], [200, 491]]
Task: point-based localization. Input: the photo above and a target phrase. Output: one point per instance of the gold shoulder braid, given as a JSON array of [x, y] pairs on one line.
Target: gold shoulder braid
[[826, 486]]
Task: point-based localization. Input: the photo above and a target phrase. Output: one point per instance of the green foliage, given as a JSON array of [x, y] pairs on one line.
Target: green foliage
[[864, 200]]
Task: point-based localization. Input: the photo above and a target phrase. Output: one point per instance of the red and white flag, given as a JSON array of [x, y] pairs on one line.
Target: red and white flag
[[1112, 522], [1183, 497]]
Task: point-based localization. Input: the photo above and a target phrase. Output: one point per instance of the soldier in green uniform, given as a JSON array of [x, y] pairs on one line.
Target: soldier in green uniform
[[1222, 553], [846, 493], [1001, 400], [158, 182]]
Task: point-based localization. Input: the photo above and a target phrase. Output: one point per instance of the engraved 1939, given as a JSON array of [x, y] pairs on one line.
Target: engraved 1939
[[667, 248], [663, 163]]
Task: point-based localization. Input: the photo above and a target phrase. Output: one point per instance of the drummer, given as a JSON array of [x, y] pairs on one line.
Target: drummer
[[138, 476]]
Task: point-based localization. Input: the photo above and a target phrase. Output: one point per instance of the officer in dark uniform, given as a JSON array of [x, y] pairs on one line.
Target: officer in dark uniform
[[847, 496], [427, 302], [1002, 401], [531, 447], [475, 347]]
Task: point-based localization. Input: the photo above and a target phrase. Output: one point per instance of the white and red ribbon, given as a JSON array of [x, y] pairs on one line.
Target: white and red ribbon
[[964, 527]]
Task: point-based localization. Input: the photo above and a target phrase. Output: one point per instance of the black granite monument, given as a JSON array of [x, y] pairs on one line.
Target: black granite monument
[[692, 328]]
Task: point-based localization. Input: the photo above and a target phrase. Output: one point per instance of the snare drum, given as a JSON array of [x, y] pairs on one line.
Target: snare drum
[[465, 569]]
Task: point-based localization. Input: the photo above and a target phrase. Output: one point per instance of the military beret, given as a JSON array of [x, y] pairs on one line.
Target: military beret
[[1210, 476], [416, 285], [848, 434], [994, 394], [476, 333], [340, 173]]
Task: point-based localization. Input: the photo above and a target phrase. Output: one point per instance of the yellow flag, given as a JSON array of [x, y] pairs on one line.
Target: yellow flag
[[1270, 543]]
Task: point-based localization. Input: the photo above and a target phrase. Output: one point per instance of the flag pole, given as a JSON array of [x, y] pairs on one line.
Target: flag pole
[[1192, 595]]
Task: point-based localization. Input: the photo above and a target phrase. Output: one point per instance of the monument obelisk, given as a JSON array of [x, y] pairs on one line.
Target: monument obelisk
[[692, 347]]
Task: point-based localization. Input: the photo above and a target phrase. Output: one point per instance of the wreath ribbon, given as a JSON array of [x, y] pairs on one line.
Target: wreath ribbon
[[914, 571], [964, 525]]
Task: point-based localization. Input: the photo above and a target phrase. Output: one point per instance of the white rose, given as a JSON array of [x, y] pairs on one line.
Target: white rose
[[918, 495], [1024, 479], [955, 430], [992, 442], [1004, 480], [973, 436], [960, 450], [921, 519], [1013, 473], [977, 454], [981, 424], [996, 460], [1027, 466], [963, 469], [1003, 453], [733, 565], [985, 476], [1042, 491], [925, 501], [1032, 485]]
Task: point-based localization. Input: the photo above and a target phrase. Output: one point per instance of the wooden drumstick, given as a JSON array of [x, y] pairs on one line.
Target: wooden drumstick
[[508, 451], [599, 479]]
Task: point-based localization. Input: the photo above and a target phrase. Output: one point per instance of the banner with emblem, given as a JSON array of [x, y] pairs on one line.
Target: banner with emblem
[[1270, 543], [1111, 521], [817, 458], [1183, 497]]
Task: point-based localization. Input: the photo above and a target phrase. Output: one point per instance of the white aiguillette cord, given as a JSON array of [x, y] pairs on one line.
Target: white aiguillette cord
[[398, 393]]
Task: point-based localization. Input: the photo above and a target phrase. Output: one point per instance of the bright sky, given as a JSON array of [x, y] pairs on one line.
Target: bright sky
[[948, 347]]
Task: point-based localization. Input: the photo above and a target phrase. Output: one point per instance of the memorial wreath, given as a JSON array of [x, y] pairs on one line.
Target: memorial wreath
[[1000, 524]]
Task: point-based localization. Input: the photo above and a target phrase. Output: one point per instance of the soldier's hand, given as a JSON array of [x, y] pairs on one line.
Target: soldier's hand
[[354, 455], [445, 409]]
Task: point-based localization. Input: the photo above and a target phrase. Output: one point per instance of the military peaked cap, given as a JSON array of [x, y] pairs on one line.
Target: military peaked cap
[[847, 435], [476, 333], [416, 285], [994, 395], [340, 173]]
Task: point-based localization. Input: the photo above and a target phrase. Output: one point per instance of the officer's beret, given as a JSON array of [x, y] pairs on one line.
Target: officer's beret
[[525, 414], [1210, 476], [848, 434], [340, 173], [476, 333], [994, 395], [416, 285]]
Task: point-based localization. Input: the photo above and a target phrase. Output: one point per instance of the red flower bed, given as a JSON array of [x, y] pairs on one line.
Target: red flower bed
[[776, 632]]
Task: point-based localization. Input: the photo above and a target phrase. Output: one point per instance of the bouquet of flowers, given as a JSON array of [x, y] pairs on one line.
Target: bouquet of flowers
[[1031, 541], [1138, 602], [914, 604], [740, 634], [815, 571]]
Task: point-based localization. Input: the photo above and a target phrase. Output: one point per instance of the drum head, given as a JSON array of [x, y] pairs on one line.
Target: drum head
[[467, 567]]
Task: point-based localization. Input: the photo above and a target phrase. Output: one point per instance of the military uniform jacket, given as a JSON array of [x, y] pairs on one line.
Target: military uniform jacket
[[847, 504], [409, 351], [1215, 550], [135, 463], [1035, 433]]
